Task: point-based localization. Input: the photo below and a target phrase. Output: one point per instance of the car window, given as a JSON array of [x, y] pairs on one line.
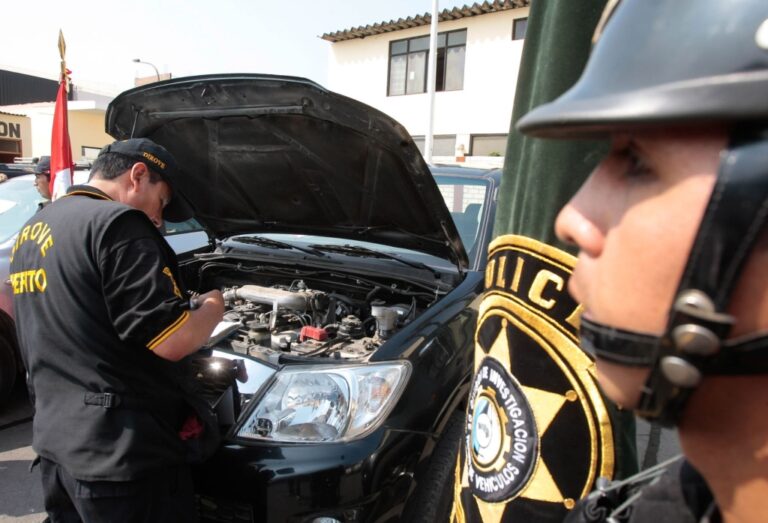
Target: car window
[[184, 237], [180, 227], [18, 202], [466, 200]]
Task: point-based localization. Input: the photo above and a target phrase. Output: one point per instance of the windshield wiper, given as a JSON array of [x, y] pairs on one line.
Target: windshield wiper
[[276, 244], [356, 250]]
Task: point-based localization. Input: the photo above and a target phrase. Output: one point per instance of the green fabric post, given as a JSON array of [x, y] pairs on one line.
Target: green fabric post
[[540, 176], [538, 432]]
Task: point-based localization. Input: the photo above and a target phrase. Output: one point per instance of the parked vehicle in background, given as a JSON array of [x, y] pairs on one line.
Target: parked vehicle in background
[[351, 275], [18, 202], [12, 170]]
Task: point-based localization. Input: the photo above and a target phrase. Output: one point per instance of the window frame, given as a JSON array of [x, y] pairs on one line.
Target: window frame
[[422, 139], [516, 30], [444, 71], [487, 135]]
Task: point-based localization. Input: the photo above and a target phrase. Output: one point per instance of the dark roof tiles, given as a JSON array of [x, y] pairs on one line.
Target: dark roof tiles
[[425, 19]]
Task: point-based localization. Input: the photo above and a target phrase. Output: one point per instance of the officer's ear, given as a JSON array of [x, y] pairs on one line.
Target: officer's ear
[[139, 174]]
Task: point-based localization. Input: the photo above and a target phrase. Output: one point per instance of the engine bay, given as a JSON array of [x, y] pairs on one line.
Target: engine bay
[[281, 314]]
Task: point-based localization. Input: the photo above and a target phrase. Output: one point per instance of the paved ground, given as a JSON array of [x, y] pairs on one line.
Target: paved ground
[[20, 493]]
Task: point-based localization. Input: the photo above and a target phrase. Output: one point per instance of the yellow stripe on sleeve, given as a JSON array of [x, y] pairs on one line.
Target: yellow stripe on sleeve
[[173, 327]]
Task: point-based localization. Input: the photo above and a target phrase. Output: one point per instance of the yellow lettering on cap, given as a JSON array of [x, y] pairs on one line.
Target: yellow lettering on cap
[[154, 159]]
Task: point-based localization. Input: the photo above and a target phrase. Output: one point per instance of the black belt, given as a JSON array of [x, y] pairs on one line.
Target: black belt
[[110, 400]]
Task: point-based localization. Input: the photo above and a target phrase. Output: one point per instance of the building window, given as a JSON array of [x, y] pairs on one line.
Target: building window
[[444, 145], [10, 147], [518, 28], [89, 152], [488, 144], [408, 61]]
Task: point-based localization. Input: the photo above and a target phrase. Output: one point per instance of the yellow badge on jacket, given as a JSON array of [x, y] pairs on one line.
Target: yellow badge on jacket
[[168, 273], [537, 433]]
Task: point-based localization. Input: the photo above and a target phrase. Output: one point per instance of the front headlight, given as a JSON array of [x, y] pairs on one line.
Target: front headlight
[[326, 403]]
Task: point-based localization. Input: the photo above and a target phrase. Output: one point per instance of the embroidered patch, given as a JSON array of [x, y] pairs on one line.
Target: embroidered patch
[[168, 273], [538, 433]]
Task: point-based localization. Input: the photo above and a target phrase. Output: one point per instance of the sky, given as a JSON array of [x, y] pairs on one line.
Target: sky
[[184, 37]]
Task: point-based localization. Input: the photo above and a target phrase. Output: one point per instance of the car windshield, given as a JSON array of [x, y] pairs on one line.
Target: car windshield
[[466, 200], [18, 202]]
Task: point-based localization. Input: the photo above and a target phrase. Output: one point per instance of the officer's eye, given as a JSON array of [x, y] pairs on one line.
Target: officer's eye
[[635, 163]]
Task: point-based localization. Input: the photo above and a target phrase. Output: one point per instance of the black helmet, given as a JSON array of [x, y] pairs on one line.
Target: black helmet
[[674, 62], [666, 61]]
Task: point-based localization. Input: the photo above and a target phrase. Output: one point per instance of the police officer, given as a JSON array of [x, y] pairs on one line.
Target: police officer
[[673, 264], [101, 321], [43, 176], [43, 179]]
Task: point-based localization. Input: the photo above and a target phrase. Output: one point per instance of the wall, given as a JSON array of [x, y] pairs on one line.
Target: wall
[[358, 68], [10, 124], [86, 126]]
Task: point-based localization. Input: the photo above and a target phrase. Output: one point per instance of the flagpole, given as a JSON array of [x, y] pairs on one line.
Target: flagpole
[[63, 77], [428, 139], [61, 147]]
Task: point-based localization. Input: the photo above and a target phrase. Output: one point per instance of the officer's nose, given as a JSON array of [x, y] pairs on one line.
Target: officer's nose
[[577, 221]]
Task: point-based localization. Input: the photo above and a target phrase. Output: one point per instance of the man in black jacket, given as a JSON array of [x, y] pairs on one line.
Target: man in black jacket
[[101, 321], [671, 228]]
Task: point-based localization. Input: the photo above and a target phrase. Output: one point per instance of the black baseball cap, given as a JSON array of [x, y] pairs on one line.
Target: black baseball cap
[[159, 160], [43, 166]]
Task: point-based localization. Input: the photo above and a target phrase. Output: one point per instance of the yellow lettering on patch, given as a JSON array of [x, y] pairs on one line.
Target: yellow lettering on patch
[[535, 293], [500, 280], [489, 271], [518, 274]]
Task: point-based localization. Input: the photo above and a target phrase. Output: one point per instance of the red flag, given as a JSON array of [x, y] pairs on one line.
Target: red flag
[[61, 149]]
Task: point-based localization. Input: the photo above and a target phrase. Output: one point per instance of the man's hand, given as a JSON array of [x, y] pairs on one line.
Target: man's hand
[[194, 333]]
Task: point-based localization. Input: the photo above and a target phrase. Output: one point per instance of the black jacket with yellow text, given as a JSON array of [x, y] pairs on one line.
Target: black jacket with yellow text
[[94, 293]]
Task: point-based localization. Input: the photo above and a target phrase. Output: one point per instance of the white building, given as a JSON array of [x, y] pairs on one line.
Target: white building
[[478, 57]]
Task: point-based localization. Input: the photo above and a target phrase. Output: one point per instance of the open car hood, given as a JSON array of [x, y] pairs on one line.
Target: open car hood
[[264, 153]]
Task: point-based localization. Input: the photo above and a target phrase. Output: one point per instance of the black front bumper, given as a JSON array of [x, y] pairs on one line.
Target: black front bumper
[[363, 480]]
